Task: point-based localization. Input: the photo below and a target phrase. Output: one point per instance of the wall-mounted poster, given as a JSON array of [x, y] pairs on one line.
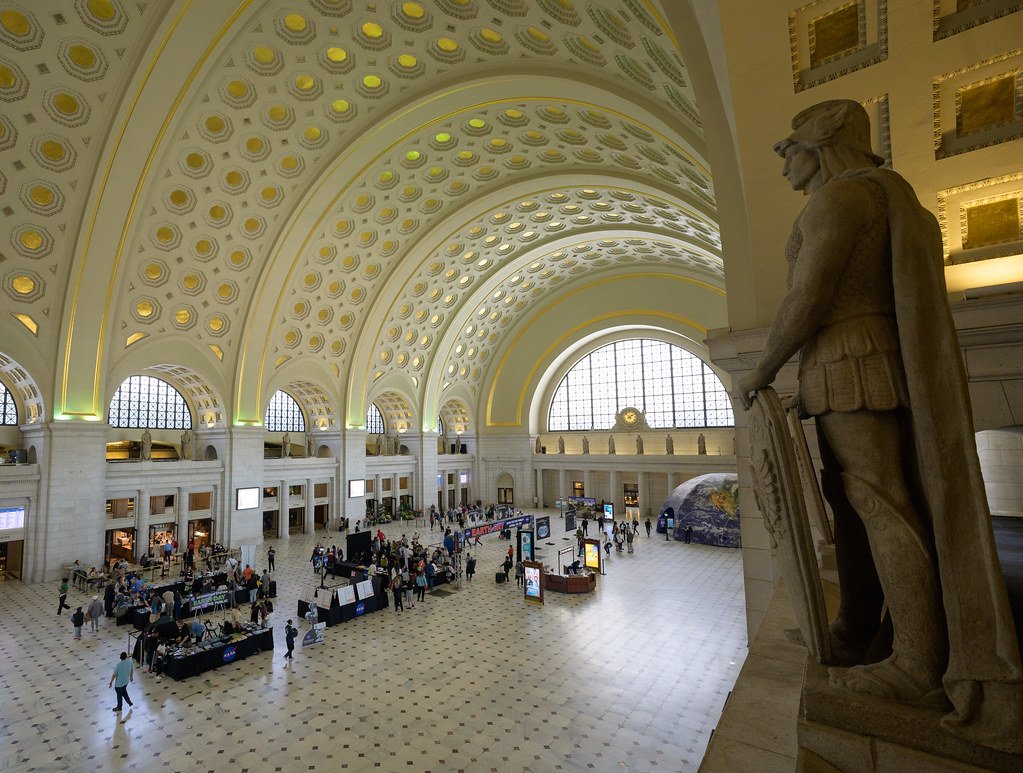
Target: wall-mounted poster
[[526, 546], [591, 554], [533, 592]]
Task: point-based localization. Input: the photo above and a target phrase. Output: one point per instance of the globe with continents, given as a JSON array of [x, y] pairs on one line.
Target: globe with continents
[[710, 505]]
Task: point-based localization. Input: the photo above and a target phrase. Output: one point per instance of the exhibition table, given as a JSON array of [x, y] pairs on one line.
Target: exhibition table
[[570, 583], [215, 654]]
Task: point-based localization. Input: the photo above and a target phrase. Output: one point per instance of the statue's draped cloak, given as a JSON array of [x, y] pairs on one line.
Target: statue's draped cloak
[[984, 679]]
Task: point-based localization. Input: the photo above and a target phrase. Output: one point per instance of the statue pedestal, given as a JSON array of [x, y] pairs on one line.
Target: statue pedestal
[[843, 731]]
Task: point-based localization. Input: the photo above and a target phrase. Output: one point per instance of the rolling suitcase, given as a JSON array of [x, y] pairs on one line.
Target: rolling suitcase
[[499, 578]]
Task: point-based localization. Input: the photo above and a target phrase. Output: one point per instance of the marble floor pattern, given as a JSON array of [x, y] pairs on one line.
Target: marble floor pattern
[[630, 678]]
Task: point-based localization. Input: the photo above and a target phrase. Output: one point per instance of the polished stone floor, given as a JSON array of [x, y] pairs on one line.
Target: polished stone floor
[[632, 677]]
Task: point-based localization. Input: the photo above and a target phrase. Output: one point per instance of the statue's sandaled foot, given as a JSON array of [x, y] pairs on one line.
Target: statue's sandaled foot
[[891, 680]]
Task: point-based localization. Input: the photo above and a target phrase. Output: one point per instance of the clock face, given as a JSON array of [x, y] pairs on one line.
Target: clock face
[[630, 417]]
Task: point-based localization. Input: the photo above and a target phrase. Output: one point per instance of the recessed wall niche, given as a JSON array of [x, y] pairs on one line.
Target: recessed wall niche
[[831, 38], [982, 220], [953, 16], [979, 105]]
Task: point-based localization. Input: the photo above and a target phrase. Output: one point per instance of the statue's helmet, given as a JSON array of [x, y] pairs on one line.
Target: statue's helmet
[[841, 122]]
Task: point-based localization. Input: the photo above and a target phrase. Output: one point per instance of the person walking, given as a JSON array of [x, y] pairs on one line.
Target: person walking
[[507, 565], [62, 597], [78, 620], [520, 573], [629, 536], [648, 527], [470, 568], [95, 611], [124, 674], [290, 632]]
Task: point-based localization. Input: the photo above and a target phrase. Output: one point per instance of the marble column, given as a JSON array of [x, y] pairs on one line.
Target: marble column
[[616, 497], [538, 487], [142, 521], [672, 481], [395, 491], [378, 493], [588, 488], [562, 478], [644, 493], [283, 532], [181, 509], [310, 507]]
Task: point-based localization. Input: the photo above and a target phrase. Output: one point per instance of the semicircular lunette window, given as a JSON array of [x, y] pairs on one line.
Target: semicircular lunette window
[[283, 414], [672, 387], [8, 410], [374, 420], [144, 402]]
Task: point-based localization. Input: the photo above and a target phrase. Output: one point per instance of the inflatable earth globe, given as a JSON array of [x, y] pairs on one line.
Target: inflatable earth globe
[[709, 505]]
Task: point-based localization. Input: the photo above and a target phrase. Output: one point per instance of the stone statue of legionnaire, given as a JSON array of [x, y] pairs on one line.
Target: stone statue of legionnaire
[[561, 444], [186, 445], [639, 444], [380, 445], [310, 444], [286, 446], [669, 445], [879, 358], [586, 444], [701, 445], [611, 445], [537, 447], [146, 453]]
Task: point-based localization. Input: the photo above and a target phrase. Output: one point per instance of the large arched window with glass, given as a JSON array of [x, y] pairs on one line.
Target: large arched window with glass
[[149, 403], [8, 410], [283, 414], [671, 386], [374, 420]]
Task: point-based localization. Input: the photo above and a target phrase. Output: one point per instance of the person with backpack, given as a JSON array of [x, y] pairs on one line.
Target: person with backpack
[[397, 590], [520, 573], [78, 620], [470, 567]]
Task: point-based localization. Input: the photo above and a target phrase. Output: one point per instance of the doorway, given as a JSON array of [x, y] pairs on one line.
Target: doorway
[[10, 559]]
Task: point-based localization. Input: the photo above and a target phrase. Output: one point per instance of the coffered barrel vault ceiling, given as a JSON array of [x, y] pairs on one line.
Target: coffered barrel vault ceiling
[[351, 191]]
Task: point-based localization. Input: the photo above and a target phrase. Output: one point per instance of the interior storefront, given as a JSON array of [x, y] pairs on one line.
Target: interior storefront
[[120, 544], [160, 533], [200, 533], [11, 553]]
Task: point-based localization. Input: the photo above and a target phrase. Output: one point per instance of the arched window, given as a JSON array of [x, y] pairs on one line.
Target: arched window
[[283, 414], [440, 425], [147, 402], [8, 410], [374, 421], [671, 386]]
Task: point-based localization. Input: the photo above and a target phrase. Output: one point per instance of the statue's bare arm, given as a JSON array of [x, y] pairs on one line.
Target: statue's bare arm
[[830, 225]]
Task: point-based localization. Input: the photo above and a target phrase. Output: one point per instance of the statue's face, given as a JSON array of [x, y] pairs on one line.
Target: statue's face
[[801, 165]]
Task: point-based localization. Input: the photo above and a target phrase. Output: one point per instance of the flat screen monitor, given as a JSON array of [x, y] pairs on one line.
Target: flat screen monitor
[[609, 510], [591, 555], [248, 498], [356, 488], [533, 589], [12, 518]]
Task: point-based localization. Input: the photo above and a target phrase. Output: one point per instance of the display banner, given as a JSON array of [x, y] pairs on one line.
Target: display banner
[[497, 526], [585, 507], [533, 587], [543, 527], [526, 544], [591, 554], [569, 520], [314, 635], [205, 601]]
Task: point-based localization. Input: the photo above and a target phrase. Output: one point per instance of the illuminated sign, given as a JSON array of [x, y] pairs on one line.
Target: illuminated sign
[[248, 498]]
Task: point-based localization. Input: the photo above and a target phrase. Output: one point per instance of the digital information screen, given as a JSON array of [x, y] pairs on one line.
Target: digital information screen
[[356, 488], [534, 589], [12, 518], [248, 498], [591, 555]]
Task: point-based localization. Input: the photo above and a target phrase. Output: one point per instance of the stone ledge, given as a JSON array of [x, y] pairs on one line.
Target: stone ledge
[[857, 733]]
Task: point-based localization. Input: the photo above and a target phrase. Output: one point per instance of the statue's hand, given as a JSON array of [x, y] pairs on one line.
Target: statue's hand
[[748, 386]]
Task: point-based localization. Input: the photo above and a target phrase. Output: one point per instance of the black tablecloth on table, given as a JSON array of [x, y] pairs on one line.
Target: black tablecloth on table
[[214, 657]]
